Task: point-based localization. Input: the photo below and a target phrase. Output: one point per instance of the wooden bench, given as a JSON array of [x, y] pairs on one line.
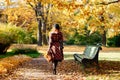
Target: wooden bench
[[89, 57]]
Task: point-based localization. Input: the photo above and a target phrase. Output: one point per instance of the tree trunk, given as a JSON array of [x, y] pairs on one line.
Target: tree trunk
[[45, 24], [38, 13], [44, 38], [104, 38], [4, 48], [39, 33], [42, 20]]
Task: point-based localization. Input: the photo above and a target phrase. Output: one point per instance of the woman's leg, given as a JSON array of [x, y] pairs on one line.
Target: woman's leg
[[55, 63]]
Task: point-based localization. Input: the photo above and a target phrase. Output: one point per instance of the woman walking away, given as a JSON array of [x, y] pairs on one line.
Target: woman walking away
[[56, 46]]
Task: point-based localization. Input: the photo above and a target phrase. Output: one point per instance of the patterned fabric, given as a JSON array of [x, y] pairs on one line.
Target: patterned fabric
[[55, 44]]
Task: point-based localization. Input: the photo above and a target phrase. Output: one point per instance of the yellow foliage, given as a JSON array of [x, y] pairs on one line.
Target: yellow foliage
[[17, 17], [2, 69], [115, 9], [74, 13]]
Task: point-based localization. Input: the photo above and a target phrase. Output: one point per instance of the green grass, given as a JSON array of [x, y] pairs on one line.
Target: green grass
[[33, 55], [7, 54], [102, 56], [68, 56], [29, 52]]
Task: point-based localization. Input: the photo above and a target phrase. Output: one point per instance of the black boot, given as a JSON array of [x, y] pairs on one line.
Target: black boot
[[54, 71], [54, 67]]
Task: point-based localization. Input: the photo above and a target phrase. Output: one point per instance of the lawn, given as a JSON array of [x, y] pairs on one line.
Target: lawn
[[113, 56]]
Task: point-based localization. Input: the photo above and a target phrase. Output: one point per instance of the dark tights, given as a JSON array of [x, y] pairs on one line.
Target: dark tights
[[55, 63]]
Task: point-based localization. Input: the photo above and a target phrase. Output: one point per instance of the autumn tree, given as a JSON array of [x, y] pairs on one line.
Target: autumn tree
[[41, 9], [105, 18], [82, 16], [99, 15], [16, 16]]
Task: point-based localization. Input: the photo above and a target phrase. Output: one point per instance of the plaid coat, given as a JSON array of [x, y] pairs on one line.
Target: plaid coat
[[56, 45]]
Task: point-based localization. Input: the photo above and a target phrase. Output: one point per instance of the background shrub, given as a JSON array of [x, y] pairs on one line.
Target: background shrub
[[114, 41], [12, 34], [84, 39], [27, 51]]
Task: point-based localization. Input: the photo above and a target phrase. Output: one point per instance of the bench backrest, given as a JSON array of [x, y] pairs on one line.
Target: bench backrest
[[91, 51]]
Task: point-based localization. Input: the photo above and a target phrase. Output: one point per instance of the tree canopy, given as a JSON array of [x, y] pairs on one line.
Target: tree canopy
[[74, 15]]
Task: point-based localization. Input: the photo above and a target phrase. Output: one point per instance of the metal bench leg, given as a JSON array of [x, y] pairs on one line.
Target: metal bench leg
[[97, 65]]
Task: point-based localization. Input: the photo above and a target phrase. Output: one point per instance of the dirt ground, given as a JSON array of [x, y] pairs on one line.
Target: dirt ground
[[40, 69]]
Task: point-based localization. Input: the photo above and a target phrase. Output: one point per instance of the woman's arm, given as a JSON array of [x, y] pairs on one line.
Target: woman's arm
[[61, 41], [50, 41]]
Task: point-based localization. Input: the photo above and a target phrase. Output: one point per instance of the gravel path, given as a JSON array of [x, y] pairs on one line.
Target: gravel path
[[38, 69]]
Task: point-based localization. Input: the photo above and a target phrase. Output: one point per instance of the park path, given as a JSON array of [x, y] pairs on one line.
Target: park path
[[38, 69]]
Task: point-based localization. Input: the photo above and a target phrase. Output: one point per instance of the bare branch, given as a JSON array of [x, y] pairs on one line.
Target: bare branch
[[31, 5], [110, 2], [47, 12]]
